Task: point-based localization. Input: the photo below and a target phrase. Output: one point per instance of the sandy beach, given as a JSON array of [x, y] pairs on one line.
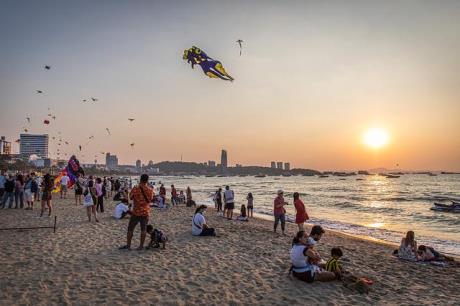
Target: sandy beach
[[246, 265]]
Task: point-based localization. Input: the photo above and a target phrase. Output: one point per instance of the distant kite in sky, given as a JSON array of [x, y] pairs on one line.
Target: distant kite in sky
[[47, 67], [84, 100], [212, 68], [18, 140], [53, 138], [132, 145], [39, 91], [103, 153], [79, 147], [240, 42], [46, 121], [94, 99], [54, 117], [26, 130], [91, 137], [131, 119], [66, 142], [108, 131], [28, 119]]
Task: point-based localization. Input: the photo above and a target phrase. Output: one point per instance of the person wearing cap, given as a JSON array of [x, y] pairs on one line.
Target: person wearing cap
[[279, 211]]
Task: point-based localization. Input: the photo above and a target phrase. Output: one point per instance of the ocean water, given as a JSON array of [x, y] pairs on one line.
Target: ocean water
[[375, 207]]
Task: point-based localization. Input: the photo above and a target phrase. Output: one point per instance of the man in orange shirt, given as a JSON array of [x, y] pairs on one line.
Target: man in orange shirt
[[142, 196]]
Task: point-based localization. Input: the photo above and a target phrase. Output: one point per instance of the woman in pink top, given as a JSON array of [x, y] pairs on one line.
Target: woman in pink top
[[301, 214]]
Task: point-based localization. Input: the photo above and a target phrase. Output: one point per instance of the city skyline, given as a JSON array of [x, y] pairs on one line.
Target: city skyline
[[308, 89]]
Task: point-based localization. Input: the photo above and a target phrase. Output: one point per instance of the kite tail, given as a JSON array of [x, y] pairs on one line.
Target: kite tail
[[57, 182]]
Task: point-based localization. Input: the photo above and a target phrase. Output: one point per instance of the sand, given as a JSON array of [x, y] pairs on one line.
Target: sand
[[246, 265]]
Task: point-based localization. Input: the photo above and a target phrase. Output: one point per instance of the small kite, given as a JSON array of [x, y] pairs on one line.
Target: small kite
[[91, 137], [47, 67], [73, 170], [79, 147], [132, 145], [212, 68], [46, 121], [26, 130], [131, 119], [103, 153], [240, 42], [66, 142], [53, 138], [108, 131], [49, 115], [18, 140], [54, 117], [28, 119], [94, 99], [84, 100], [39, 91]]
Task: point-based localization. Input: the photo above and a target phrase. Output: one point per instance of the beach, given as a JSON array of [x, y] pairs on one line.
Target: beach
[[247, 264]]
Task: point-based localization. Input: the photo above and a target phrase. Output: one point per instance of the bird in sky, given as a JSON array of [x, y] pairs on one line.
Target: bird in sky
[[39, 91], [94, 99], [47, 67]]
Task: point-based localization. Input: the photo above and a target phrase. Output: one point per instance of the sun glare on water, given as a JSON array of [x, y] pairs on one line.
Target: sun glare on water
[[376, 138]]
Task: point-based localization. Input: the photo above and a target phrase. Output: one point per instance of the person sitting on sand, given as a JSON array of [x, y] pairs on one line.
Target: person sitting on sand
[[181, 197], [302, 267], [408, 248], [332, 265], [122, 209], [243, 216], [142, 196], [315, 235], [156, 237], [199, 226]]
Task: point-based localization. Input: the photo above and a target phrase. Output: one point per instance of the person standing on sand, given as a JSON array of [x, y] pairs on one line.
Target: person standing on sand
[[301, 214], [8, 196], [90, 200], [78, 190], [250, 199], [229, 198], [2, 184], [189, 196], [279, 212], [163, 193], [19, 191], [142, 196], [100, 195], [47, 188], [30, 189], [173, 195], [64, 181], [218, 197]]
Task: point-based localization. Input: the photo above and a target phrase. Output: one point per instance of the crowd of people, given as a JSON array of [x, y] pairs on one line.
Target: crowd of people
[[136, 202]]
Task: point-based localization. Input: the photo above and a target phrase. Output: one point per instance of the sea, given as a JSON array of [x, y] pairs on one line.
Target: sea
[[369, 206]]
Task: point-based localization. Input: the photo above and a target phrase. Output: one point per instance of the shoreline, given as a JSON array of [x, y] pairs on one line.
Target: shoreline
[[247, 264]]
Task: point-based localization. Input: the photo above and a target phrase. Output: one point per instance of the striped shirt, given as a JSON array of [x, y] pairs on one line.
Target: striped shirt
[[332, 265]]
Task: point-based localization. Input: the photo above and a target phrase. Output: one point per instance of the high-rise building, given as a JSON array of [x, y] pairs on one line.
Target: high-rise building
[[5, 146], [273, 165], [111, 161], [33, 144], [223, 160], [287, 166], [138, 164], [279, 165], [211, 163]]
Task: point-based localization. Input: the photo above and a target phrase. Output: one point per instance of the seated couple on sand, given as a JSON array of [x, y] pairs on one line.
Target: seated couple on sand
[[307, 264], [408, 250], [199, 226]]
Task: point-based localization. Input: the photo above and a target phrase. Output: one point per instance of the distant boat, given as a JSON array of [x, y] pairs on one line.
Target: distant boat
[[286, 174], [454, 207], [260, 175], [391, 176], [360, 179], [323, 175], [210, 175], [431, 174]]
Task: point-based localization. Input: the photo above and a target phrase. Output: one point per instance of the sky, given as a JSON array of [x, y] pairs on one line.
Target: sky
[[313, 77]]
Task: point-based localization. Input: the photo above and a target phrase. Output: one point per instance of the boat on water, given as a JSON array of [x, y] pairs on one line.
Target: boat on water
[[391, 176], [453, 208], [260, 175], [431, 174], [360, 179], [323, 175], [286, 174]]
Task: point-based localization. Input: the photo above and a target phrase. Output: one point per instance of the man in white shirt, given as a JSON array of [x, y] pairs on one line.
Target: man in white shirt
[[122, 209], [229, 202], [64, 181], [199, 226]]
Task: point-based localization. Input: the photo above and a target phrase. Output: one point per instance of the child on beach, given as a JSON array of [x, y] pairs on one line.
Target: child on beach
[[243, 216], [156, 237], [332, 265], [250, 199]]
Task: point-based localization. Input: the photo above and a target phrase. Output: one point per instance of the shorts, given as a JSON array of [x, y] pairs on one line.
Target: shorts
[[307, 276], [281, 218], [64, 188], [29, 195], [136, 219], [229, 205], [46, 195], [78, 191]]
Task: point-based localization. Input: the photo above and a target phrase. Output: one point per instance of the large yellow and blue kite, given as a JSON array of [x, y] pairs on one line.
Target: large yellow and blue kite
[[211, 67]]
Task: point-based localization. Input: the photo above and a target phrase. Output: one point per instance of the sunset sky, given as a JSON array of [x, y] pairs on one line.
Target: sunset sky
[[313, 77]]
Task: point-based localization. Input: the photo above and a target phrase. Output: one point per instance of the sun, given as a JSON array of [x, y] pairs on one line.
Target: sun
[[376, 138]]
